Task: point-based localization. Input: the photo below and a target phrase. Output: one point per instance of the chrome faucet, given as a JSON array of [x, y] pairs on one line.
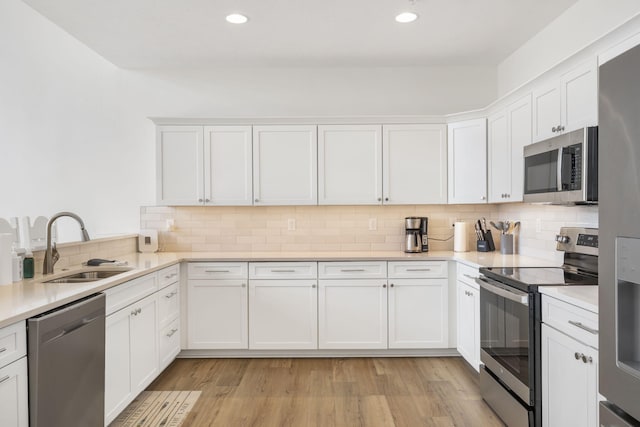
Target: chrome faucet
[[51, 255]]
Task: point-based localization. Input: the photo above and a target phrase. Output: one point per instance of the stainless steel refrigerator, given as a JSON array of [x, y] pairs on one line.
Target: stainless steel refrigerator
[[619, 261]]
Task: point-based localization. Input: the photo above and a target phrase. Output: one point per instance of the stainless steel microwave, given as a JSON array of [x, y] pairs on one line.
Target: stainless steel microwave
[[563, 169]]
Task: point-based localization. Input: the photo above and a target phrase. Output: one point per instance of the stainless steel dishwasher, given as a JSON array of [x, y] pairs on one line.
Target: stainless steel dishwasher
[[66, 365]]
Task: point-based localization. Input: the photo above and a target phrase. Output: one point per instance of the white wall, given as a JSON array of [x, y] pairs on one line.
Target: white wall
[[578, 26], [67, 138]]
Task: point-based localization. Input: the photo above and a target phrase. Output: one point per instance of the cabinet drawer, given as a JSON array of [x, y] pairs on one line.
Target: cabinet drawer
[[169, 345], [353, 270], [417, 269], [283, 270], [13, 343], [217, 270], [168, 275], [129, 292], [468, 275], [168, 303], [574, 321]]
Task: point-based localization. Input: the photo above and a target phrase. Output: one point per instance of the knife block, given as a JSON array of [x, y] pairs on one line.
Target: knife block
[[486, 245]]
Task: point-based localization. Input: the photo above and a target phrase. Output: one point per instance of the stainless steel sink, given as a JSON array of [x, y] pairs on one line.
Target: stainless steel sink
[[90, 275]]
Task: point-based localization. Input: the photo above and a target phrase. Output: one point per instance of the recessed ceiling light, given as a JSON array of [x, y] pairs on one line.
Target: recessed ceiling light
[[406, 17], [236, 18]]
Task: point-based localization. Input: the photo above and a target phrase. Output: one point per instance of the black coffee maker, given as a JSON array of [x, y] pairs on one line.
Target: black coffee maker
[[424, 228]]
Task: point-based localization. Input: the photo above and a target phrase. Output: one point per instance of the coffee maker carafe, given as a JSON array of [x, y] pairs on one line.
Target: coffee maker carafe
[[413, 236]]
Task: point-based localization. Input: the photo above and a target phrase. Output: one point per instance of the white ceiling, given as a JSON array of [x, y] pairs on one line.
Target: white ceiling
[[300, 33]]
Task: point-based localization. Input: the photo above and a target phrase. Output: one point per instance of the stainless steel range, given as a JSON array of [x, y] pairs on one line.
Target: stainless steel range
[[510, 324]]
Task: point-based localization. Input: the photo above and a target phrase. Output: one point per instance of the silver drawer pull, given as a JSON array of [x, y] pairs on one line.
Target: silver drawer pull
[[171, 294], [583, 327], [3, 379], [283, 271], [171, 275], [352, 270], [217, 271], [3, 349], [173, 331], [468, 276], [418, 269]]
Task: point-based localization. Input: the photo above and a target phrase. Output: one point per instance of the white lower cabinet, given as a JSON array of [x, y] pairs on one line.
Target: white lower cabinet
[[569, 381], [131, 358], [14, 410], [217, 314], [569, 359], [352, 314], [217, 301], [283, 314], [468, 315]]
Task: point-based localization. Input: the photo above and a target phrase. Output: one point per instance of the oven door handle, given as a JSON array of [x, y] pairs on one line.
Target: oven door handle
[[512, 295]]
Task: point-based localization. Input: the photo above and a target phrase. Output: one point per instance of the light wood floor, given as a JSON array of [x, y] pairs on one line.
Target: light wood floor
[[368, 392]]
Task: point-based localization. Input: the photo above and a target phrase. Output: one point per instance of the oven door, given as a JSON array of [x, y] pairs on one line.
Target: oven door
[[505, 346]]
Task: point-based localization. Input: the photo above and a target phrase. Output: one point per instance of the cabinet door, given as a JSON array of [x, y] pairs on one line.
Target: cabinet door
[[414, 164], [285, 165], [217, 314], [283, 314], [468, 324], [546, 111], [468, 162], [14, 394], [418, 313], [228, 167], [519, 122], [352, 314], [579, 95], [168, 344], [118, 392], [499, 156], [179, 165], [144, 342], [569, 384], [350, 165]]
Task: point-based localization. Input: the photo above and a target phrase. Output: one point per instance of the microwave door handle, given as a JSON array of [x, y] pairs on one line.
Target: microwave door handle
[[559, 177], [515, 296]]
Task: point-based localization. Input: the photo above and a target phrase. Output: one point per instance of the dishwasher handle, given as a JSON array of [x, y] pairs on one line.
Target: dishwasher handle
[[68, 330]]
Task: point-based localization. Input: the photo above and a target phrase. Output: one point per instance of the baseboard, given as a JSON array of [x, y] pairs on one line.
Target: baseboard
[[444, 352]]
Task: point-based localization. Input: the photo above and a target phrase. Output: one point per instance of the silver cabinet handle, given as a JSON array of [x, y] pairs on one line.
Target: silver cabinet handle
[[207, 200], [256, 200], [576, 355], [134, 312], [384, 286], [283, 271], [418, 269], [583, 327], [351, 270], [3, 349], [386, 199], [483, 197], [587, 359], [391, 285], [171, 275], [468, 276], [3, 379], [217, 271], [553, 129], [173, 331], [244, 285], [200, 200], [379, 199], [313, 286], [171, 294]]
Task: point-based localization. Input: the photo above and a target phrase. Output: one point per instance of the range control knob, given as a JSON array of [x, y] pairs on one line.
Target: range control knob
[[562, 239]]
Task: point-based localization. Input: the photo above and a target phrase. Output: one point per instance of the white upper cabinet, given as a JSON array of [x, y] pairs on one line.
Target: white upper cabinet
[[468, 161], [180, 163], [210, 165], [415, 164], [228, 170], [566, 104], [509, 130], [285, 165], [350, 165]]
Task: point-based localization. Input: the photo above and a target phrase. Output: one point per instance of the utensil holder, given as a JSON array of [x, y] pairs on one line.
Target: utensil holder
[[506, 244]]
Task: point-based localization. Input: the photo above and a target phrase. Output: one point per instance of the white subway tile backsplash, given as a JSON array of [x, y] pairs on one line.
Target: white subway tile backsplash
[[330, 228]]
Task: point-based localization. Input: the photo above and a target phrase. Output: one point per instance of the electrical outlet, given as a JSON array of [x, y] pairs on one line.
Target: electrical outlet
[[373, 224], [538, 225], [171, 224], [291, 224]]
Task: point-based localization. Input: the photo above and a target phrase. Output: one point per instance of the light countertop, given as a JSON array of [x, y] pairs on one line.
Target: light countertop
[[30, 297]]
